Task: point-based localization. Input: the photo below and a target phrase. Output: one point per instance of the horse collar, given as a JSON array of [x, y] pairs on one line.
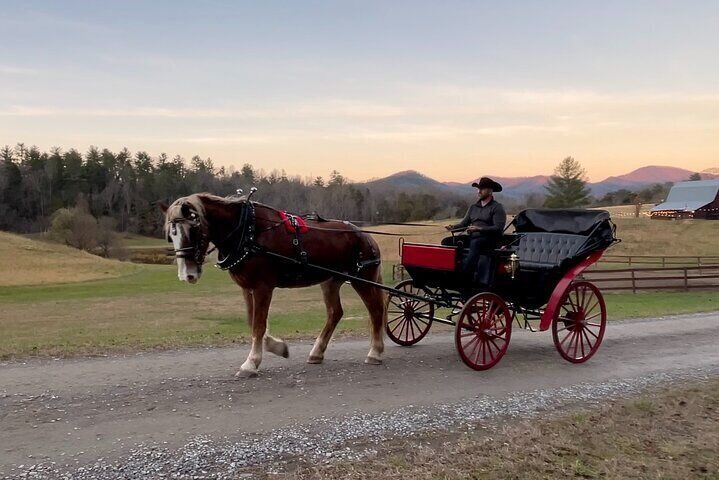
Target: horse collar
[[233, 251]]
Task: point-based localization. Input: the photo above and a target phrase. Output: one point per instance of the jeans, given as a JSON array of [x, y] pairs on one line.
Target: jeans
[[478, 262]]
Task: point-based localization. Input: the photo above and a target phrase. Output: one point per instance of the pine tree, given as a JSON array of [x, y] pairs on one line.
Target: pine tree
[[567, 188]]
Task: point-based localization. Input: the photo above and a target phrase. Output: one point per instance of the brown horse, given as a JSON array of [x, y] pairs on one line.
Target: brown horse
[[248, 234]]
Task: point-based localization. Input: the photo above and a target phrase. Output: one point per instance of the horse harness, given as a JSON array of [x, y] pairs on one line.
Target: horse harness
[[240, 243]]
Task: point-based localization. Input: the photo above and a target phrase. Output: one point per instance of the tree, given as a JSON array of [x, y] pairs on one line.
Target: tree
[[694, 177], [567, 188]]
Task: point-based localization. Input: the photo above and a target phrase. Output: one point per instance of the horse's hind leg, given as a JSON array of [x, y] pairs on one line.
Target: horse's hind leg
[[331, 293], [374, 300], [260, 306], [271, 344]]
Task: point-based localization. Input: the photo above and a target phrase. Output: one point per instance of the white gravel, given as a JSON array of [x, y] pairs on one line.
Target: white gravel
[[347, 437]]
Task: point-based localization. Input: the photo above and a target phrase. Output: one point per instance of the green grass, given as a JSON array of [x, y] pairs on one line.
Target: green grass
[[133, 241], [145, 306], [148, 279], [657, 304], [152, 309]]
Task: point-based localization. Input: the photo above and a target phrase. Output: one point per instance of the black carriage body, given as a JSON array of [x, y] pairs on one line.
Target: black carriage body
[[547, 243], [534, 274]]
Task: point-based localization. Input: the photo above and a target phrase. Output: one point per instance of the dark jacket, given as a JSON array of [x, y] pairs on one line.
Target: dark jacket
[[490, 218]]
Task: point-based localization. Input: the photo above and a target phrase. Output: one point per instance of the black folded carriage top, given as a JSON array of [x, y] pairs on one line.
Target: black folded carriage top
[[557, 238]]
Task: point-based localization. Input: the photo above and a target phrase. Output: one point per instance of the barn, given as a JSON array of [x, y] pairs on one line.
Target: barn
[[698, 199]]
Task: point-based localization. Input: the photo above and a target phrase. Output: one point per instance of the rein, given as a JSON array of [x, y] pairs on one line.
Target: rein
[[232, 250]]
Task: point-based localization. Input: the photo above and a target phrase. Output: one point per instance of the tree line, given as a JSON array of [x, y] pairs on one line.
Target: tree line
[[123, 188]]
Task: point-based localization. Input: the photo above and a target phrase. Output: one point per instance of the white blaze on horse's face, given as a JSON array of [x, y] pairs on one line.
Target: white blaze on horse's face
[[188, 269]]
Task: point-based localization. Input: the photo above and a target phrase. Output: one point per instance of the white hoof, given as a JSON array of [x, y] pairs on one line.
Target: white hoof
[[278, 347], [314, 359], [247, 370], [246, 373], [373, 361]]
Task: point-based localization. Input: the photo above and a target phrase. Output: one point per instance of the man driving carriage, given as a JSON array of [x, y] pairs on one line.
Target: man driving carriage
[[484, 223]]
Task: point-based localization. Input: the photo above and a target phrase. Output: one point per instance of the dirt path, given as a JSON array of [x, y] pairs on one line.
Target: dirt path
[[74, 412]]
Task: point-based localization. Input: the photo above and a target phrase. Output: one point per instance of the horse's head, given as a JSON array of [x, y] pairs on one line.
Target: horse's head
[[186, 228]]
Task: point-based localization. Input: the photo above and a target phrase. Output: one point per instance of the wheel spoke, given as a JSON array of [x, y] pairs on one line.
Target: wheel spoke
[[566, 337], [591, 332], [591, 309], [401, 326], [465, 346], [410, 329], [478, 350], [398, 326], [584, 298], [491, 340], [589, 343], [421, 326], [576, 341]]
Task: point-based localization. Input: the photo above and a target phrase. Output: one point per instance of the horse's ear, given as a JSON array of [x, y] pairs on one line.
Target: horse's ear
[[163, 206]]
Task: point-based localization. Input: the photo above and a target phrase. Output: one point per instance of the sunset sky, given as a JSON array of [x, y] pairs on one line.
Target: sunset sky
[[452, 89]]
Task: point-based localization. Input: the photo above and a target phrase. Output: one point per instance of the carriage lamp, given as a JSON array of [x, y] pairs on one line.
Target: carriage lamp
[[513, 264]]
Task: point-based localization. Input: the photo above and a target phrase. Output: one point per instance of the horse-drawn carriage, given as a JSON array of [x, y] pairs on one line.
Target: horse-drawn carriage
[[534, 277], [533, 274]]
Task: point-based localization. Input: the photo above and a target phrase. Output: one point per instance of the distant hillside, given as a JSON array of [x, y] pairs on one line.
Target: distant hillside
[[518, 187], [32, 262], [407, 180]]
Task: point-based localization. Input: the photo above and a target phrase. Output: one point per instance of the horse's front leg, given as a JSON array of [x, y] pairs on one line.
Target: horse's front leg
[[261, 305]]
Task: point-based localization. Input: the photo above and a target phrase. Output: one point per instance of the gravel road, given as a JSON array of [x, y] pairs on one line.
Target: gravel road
[[182, 414]]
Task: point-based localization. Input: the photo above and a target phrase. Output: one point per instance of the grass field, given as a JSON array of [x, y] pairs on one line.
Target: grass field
[[60, 301], [28, 261], [670, 433]]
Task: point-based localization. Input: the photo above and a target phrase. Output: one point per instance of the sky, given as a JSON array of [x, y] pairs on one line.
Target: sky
[[453, 89]]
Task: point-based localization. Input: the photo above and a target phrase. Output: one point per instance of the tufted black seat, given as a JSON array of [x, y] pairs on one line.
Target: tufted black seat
[[547, 251]]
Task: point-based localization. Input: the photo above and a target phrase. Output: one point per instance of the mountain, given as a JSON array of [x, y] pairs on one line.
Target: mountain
[[518, 187], [642, 177], [407, 180], [651, 174]]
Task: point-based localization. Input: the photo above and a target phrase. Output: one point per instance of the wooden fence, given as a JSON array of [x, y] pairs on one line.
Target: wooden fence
[[663, 260], [656, 278], [699, 276]]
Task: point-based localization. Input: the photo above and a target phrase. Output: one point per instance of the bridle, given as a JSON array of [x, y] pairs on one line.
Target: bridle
[[197, 250]]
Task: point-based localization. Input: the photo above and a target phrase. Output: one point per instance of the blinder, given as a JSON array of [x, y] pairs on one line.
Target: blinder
[[197, 240]]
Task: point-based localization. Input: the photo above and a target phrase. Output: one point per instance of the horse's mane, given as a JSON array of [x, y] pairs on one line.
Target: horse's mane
[[196, 200]]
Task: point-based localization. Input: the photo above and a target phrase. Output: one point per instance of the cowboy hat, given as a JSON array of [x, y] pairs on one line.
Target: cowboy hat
[[486, 182]]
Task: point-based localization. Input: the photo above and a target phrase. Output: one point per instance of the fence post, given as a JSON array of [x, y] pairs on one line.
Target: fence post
[[664, 262], [634, 284], [686, 280], [630, 260]]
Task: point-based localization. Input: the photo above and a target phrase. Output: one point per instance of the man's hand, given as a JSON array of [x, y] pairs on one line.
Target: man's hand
[[449, 227], [473, 228]]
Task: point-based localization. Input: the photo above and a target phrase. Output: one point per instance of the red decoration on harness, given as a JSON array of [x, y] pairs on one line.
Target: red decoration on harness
[[293, 223]]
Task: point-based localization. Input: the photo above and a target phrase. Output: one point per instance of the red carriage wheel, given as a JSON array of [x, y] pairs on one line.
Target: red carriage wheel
[[578, 326], [408, 319], [483, 330]]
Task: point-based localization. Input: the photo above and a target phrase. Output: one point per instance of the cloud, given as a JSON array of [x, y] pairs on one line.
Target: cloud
[[13, 70]]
